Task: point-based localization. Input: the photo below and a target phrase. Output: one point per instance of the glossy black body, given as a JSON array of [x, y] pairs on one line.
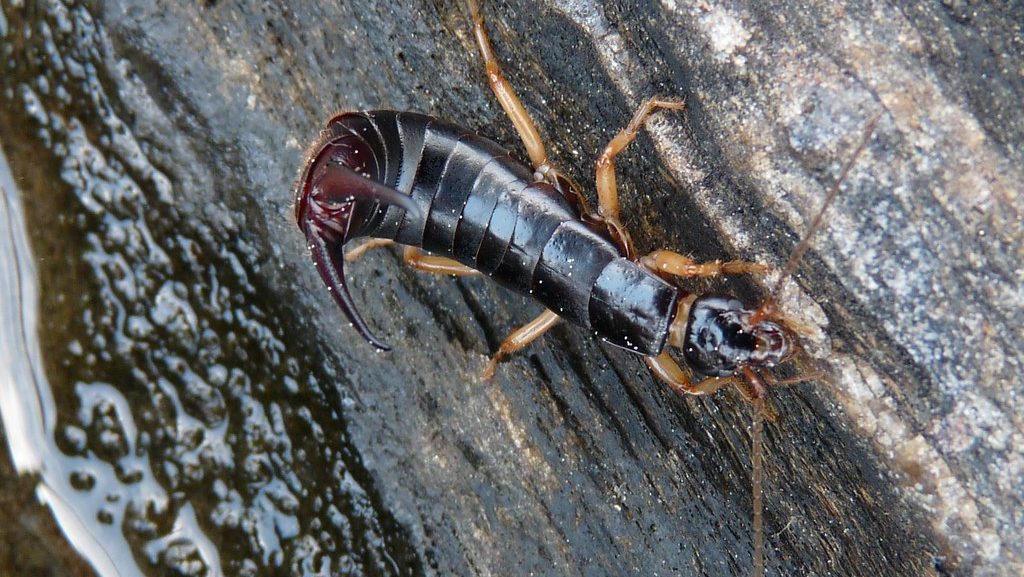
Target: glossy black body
[[483, 208], [720, 337]]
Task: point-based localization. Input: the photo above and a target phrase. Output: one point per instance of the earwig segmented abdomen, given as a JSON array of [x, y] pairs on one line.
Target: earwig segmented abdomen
[[484, 209]]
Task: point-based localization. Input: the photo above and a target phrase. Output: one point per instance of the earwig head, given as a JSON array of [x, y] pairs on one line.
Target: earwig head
[[335, 200], [722, 337]]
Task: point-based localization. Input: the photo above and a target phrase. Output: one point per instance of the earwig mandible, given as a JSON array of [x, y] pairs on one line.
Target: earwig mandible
[[414, 180]]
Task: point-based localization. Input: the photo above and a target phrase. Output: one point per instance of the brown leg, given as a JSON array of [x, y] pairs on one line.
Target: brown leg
[[505, 94], [520, 118], [359, 251], [668, 262], [607, 193], [519, 338], [667, 369], [415, 258]]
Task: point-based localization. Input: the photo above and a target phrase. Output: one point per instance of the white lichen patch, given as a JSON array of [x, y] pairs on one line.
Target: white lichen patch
[[726, 34]]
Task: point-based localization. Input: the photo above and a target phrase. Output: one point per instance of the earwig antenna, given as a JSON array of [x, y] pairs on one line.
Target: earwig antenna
[[769, 303], [759, 392], [755, 380], [757, 482]]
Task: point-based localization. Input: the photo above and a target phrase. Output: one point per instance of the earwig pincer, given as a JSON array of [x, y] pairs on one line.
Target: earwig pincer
[[414, 180]]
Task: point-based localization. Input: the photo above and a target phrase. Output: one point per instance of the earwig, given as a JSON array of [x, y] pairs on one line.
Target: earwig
[[414, 180]]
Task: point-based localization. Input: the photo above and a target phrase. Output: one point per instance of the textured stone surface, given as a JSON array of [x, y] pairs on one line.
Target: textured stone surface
[[906, 460]]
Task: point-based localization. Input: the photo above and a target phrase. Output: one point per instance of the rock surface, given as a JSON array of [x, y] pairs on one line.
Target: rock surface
[[905, 460]]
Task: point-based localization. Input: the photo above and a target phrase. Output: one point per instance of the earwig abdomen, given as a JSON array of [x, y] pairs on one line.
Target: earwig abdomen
[[484, 209]]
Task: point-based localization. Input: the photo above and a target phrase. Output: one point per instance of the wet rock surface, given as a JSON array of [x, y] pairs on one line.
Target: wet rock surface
[[205, 386]]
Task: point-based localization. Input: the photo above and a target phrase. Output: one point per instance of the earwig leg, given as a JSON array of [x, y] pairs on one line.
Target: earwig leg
[[668, 262], [607, 193], [505, 94], [415, 258], [522, 120], [359, 251], [667, 369], [519, 338]]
